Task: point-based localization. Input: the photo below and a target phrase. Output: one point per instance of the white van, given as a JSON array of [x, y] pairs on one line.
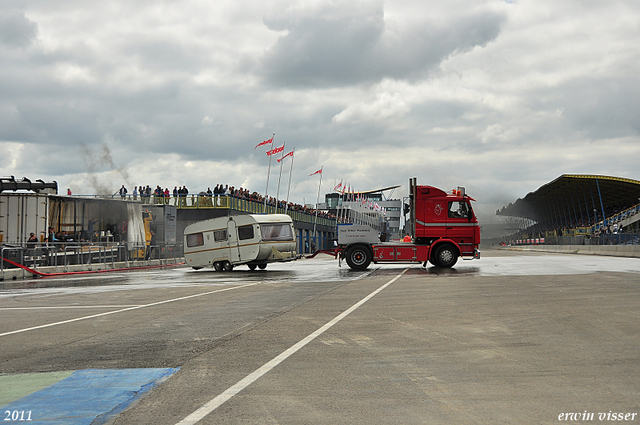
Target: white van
[[254, 240]]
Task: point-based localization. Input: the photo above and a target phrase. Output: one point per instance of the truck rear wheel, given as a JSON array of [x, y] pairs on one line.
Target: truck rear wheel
[[446, 256], [359, 257]]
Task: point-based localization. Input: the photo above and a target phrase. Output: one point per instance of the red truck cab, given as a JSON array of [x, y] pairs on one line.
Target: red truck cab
[[443, 228], [441, 216]]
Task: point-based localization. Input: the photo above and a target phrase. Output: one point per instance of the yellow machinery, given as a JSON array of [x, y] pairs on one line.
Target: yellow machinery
[[147, 220]]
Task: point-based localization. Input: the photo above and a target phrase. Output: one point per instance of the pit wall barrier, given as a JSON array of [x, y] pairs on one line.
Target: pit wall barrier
[[632, 251], [57, 259], [601, 239], [10, 276]]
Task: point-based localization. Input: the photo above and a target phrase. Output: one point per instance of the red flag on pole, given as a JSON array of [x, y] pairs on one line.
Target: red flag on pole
[[284, 156], [266, 142], [275, 150], [317, 172]]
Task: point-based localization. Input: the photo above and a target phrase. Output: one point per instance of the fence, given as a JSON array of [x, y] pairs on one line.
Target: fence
[[88, 254], [602, 239]]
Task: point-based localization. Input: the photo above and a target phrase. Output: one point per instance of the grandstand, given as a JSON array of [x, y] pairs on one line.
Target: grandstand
[[582, 207]]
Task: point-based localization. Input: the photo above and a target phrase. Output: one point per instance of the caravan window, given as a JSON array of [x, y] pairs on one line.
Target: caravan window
[[220, 235], [245, 232], [195, 239], [276, 232]]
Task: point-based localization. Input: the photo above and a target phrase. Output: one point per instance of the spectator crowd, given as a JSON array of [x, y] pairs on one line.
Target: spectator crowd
[[180, 197]]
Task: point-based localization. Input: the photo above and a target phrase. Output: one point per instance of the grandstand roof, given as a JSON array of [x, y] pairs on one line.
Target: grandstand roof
[[368, 192], [570, 200]]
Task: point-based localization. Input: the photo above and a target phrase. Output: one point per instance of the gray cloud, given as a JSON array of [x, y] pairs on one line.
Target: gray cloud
[[499, 97], [345, 45], [598, 107], [16, 30]]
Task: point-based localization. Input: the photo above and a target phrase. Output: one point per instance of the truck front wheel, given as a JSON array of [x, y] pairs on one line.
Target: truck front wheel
[[359, 257], [446, 256]]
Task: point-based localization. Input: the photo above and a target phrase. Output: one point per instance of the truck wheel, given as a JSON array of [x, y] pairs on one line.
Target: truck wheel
[[359, 257], [217, 266], [227, 266], [446, 256]]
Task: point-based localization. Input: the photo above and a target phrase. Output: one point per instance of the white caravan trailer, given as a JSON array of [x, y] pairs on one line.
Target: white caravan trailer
[[254, 240]]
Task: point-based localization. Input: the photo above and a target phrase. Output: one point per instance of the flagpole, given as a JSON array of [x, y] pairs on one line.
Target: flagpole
[[338, 206], [280, 176], [344, 206], [286, 207], [315, 236], [266, 191]]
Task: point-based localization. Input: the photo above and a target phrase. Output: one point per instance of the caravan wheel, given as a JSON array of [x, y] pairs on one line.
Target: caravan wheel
[[227, 266], [251, 266], [217, 266], [262, 266]]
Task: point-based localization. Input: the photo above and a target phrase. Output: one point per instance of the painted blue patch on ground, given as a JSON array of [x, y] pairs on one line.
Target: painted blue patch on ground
[[85, 396]]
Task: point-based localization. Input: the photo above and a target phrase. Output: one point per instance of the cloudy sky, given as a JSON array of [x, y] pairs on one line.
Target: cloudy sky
[[497, 96]]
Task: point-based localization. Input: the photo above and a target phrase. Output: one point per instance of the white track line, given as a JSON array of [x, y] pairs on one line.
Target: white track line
[[216, 402], [67, 307], [125, 309]]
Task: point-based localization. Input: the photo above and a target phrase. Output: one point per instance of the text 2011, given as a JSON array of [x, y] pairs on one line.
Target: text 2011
[[17, 415]]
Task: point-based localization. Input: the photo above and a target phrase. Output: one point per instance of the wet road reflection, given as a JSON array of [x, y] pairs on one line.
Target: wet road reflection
[[323, 270]]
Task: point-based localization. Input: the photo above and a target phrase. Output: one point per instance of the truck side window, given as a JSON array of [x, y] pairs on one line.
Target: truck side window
[[458, 210]]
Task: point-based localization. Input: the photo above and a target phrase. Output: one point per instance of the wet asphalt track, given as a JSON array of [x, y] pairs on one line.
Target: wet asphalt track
[[511, 338]]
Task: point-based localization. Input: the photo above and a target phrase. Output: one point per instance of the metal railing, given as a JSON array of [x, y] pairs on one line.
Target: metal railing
[[5, 249], [89, 254], [196, 202]]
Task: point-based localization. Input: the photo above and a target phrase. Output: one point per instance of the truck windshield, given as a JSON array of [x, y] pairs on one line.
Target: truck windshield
[[276, 232]]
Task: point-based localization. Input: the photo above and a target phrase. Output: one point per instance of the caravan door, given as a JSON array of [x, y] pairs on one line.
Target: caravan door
[[234, 243]]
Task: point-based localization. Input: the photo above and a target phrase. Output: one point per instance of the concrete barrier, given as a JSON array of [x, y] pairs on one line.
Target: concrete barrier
[[15, 274], [607, 250]]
